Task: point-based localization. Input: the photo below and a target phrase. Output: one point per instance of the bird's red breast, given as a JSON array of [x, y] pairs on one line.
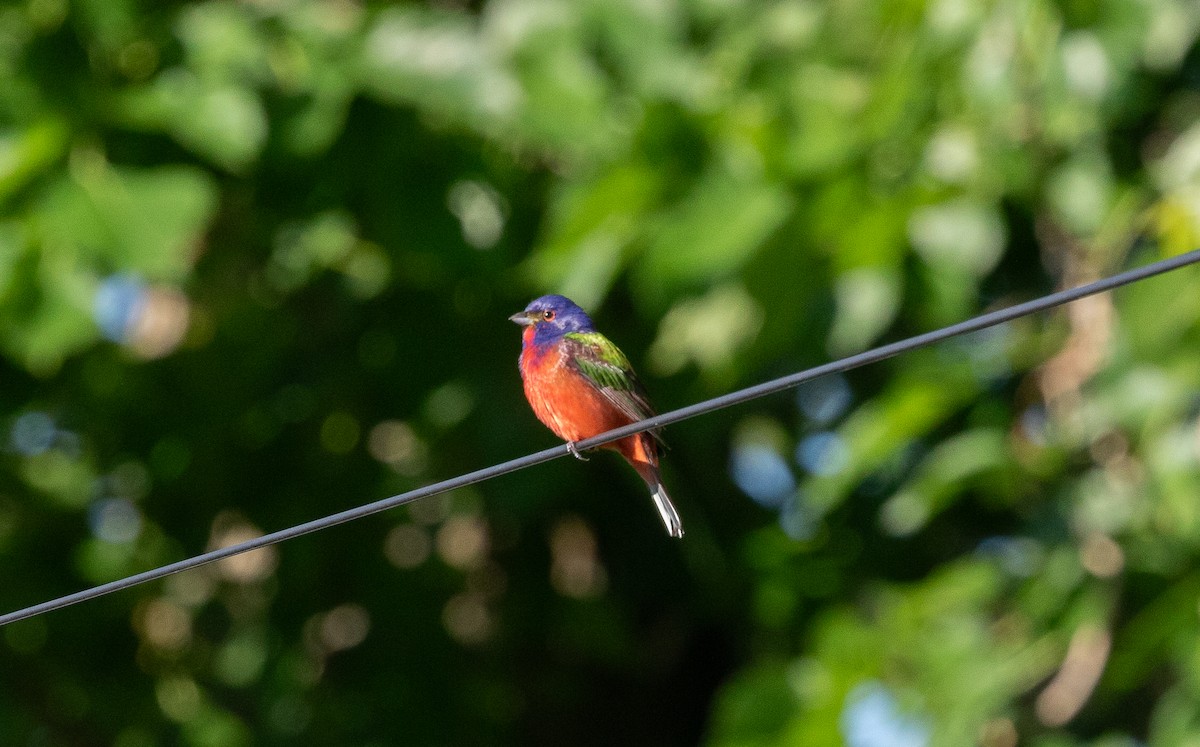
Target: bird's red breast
[[570, 405]]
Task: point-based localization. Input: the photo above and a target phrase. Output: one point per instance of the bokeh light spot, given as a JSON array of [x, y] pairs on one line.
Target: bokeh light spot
[[467, 618], [33, 433], [824, 399], [449, 404], [118, 303], [114, 520], [761, 474], [407, 546], [159, 323], [241, 659], [575, 569], [129, 480], [480, 211], [1033, 424], [462, 542], [192, 588], [339, 432], [178, 698], [164, 624], [871, 717], [823, 453], [1101, 556], [344, 627], [798, 519], [707, 331], [1085, 64], [246, 567], [952, 154], [396, 444], [903, 514], [1019, 557], [368, 270], [962, 234]]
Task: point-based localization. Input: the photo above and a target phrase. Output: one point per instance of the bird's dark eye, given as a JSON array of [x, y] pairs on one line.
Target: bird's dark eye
[[548, 315]]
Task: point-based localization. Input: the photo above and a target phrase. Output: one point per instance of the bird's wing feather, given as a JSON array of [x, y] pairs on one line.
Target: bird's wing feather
[[604, 365]]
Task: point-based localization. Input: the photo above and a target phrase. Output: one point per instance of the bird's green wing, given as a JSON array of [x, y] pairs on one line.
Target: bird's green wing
[[606, 367]]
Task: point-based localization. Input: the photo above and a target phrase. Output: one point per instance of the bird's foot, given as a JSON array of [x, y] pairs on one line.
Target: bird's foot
[[575, 451]]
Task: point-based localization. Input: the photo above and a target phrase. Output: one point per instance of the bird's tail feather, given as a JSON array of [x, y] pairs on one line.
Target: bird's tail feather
[[640, 452], [666, 509]]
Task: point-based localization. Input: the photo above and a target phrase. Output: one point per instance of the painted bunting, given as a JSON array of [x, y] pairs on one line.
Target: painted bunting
[[581, 385]]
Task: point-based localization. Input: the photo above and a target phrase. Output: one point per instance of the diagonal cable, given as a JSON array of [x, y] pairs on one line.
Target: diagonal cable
[[873, 355]]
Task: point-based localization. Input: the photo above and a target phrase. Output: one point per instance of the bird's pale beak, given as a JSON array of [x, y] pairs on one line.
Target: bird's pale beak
[[525, 318]]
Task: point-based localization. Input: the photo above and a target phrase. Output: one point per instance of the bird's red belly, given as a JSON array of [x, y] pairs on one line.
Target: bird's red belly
[[574, 409], [571, 407]]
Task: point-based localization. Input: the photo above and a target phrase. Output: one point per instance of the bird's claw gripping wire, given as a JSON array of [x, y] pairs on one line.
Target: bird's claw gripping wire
[[575, 451]]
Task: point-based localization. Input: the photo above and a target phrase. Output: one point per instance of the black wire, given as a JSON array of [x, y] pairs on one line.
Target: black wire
[[743, 395]]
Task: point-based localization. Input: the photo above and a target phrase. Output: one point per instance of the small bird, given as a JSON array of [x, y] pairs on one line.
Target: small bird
[[581, 385]]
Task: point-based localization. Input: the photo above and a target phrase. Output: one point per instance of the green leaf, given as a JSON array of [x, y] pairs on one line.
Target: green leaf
[[721, 223], [148, 221]]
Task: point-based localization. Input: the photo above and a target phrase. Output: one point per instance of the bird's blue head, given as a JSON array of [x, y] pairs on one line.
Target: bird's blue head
[[550, 317]]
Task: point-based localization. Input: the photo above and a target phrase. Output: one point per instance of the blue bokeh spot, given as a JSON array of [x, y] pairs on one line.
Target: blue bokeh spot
[[118, 303], [872, 718], [762, 474]]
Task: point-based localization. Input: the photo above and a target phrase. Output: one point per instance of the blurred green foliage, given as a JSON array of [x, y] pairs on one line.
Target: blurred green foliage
[[255, 263]]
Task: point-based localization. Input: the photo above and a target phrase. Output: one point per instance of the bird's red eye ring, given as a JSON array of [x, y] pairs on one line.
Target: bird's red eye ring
[[548, 315]]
